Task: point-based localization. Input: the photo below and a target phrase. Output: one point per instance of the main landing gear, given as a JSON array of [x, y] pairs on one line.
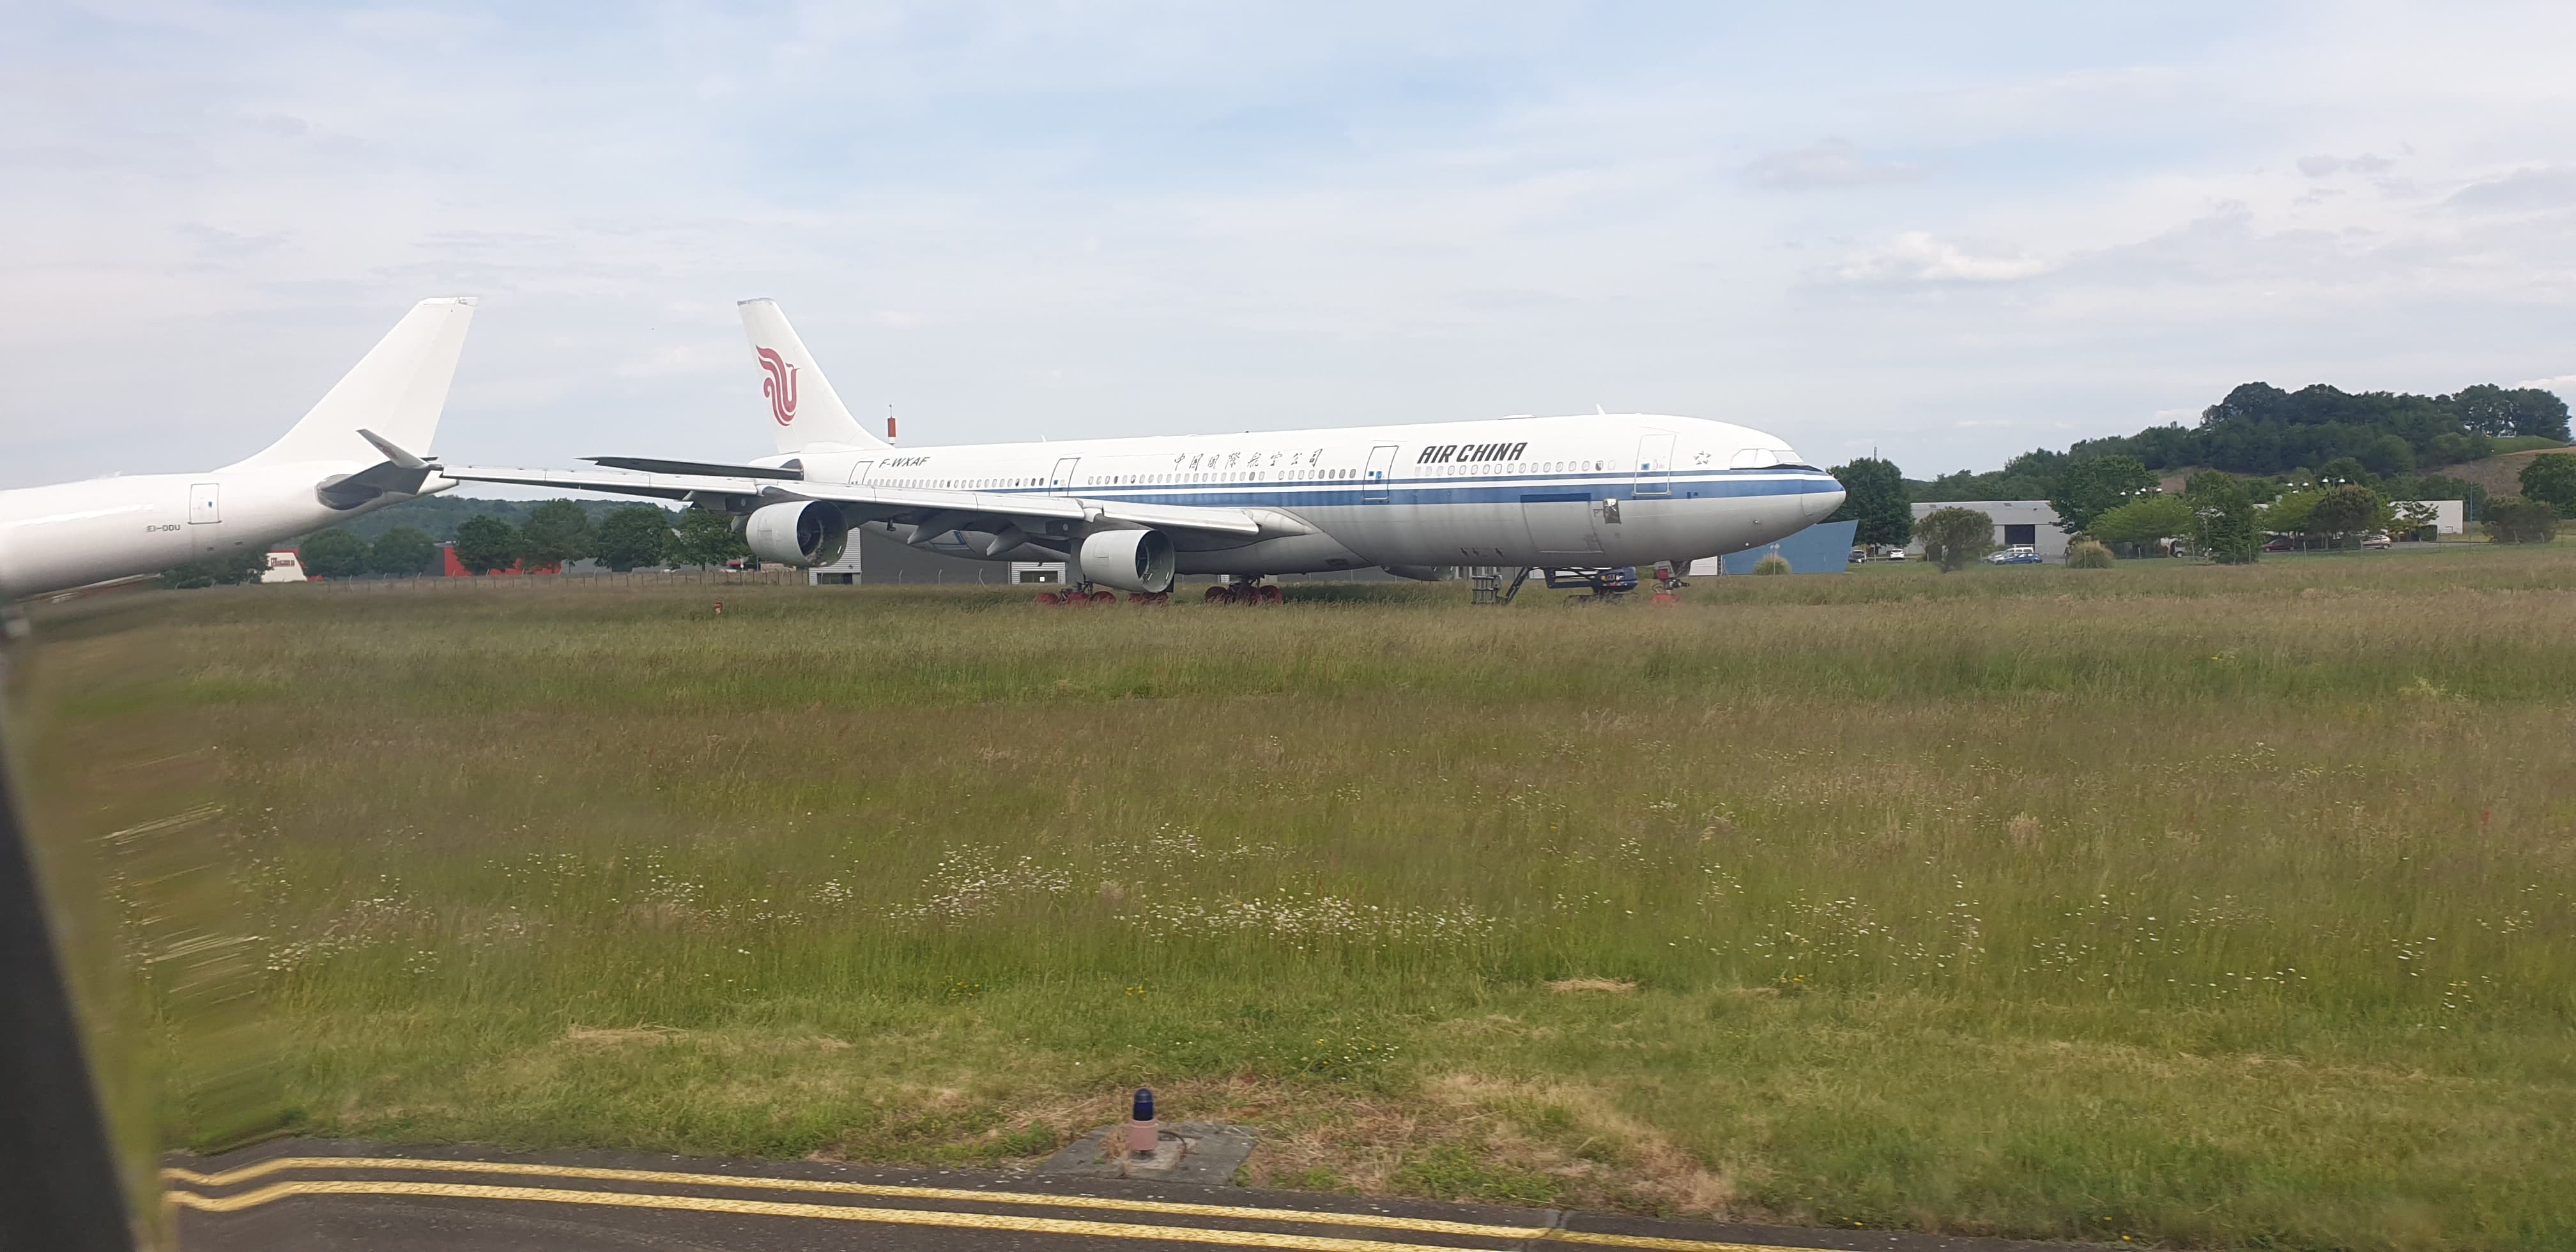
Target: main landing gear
[[1245, 591], [1668, 583], [1086, 594]]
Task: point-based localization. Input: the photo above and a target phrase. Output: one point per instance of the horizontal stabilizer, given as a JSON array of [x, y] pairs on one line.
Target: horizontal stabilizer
[[394, 453], [655, 465]]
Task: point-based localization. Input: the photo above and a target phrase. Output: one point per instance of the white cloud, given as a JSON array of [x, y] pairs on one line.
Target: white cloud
[[1111, 220], [2324, 165], [2539, 187], [693, 357], [1916, 256], [1827, 164]]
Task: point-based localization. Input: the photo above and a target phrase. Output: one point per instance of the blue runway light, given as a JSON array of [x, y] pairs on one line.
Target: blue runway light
[[1144, 1104]]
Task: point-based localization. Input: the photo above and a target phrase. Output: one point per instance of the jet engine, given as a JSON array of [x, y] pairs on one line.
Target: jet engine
[[1130, 560], [805, 532]]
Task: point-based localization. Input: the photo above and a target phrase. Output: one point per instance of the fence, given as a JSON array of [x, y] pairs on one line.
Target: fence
[[503, 583]]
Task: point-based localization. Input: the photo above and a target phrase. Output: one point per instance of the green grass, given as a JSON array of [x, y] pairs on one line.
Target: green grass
[[2193, 905]]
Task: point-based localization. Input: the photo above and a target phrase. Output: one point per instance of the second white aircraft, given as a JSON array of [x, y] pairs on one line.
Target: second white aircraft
[[360, 449], [1550, 492]]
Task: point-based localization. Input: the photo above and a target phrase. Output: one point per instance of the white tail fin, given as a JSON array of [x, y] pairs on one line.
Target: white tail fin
[[396, 390], [804, 411]]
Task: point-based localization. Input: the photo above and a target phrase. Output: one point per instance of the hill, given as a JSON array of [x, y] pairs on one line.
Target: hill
[[2259, 430], [2500, 475]]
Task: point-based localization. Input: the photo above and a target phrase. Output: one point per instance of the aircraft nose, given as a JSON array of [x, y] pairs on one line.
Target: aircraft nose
[[1819, 501]]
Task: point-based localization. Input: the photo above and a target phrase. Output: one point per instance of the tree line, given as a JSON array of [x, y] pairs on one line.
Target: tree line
[[551, 534], [2118, 501], [2259, 430]]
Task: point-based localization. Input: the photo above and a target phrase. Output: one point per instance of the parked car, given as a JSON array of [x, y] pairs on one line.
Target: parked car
[[2375, 540], [2018, 554], [2280, 543]]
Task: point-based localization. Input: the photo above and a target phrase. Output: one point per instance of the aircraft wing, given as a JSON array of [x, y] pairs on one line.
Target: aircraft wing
[[938, 511]]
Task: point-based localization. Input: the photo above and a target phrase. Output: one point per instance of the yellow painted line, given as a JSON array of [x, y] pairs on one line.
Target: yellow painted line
[[1423, 1225], [1015, 1222], [1658, 1242], [1381, 1221]]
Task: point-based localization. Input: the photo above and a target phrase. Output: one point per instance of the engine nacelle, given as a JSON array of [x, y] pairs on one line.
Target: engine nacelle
[[804, 532], [1130, 560]]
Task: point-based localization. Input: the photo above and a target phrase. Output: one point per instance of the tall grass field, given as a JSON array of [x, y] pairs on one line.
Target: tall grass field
[[2187, 905]]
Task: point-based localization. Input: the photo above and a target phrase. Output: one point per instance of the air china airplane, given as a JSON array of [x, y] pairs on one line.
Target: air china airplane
[[1550, 492], [349, 455]]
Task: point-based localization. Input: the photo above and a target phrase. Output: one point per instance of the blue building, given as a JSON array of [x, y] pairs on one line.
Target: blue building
[[1824, 548]]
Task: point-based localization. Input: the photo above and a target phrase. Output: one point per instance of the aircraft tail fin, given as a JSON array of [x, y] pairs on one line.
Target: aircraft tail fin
[[804, 411], [398, 390]]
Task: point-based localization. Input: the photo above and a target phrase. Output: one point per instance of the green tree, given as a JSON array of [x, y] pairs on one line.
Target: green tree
[[1874, 495], [1772, 563], [402, 552], [2293, 514], [2492, 410], [2346, 510], [2224, 513], [2087, 554], [633, 536], [555, 532], [485, 543], [705, 538], [2344, 471], [2552, 481], [2512, 519], [333, 553], [2145, 520], [1953, 537], [2097, 485], [2389, 454]]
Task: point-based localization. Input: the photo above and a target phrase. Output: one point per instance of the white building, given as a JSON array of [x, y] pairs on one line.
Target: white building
[[2018, 523], [285, 565], [2450, 517], [843, 572]]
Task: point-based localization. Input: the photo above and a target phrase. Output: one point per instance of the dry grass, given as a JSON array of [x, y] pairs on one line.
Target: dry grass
[[2198, 905], [1614, 986]]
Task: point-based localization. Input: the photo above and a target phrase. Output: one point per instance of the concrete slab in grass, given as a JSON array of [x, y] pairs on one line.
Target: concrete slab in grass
[[1196, 1152]]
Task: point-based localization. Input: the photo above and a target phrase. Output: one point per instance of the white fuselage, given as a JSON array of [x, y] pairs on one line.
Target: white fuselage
[[67, 535], [1559, 492]]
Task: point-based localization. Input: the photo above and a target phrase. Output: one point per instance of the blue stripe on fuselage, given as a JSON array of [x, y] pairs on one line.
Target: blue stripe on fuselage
[[1514, 489]]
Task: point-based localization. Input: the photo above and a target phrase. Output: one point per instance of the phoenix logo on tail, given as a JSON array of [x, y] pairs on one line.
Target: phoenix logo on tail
[[779, 387]]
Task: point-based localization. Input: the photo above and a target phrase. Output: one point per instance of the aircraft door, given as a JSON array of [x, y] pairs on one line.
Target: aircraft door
[[1062, 478], [1381, 464], [859, 471], [1654, 466], [205, 503]]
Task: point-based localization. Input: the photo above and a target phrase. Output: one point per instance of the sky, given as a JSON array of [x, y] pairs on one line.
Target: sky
[[1946, 234]]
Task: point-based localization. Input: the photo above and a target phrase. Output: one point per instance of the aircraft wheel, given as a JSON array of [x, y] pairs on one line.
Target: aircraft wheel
[[1049, 597], [1104, 597], [1219, 593], [1271, 594]]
